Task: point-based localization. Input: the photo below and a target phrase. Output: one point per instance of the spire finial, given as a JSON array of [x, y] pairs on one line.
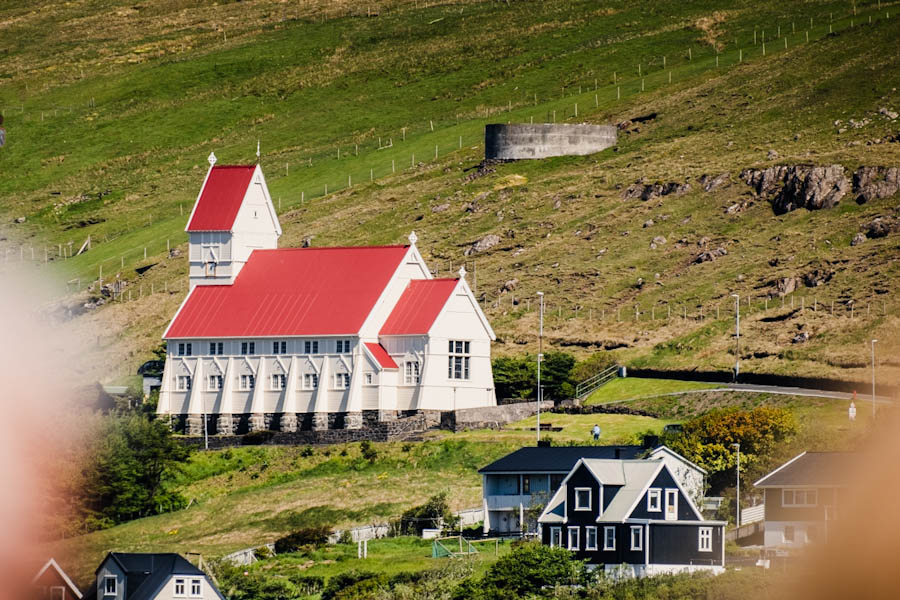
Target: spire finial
[[211, 159], [413, 238], [257, 150], [462, 272]]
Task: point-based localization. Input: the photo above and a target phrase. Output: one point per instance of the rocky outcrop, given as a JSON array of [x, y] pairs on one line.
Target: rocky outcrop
[[817, 277], [710, 255], [784, 286], [881, 227], [710, 183], [858, 239], [649, 191], [485, 243], [870, 183], [799, 186]]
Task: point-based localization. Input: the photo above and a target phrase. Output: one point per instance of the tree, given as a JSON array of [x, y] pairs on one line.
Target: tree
[[707, 440], [556, 375], [130, 471], [515, 377], [526, 570]]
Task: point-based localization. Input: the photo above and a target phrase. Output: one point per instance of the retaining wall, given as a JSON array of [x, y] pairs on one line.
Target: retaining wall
[[524, 141], [490, 417]]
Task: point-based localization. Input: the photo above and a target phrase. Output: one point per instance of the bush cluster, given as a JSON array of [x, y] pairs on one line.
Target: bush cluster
[[308, 536]]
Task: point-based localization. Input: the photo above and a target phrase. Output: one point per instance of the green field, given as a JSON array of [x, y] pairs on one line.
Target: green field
[[108, 136], [621, 389]]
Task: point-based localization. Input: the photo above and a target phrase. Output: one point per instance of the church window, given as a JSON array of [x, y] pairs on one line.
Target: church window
[[341, 381], [278, 382], [369, 379], [411, 376], [216, 348], [458, 360], [310, 381], [248, 347], [279, 347], [215, 383], [247, 382], [183, 383], [311, 347], [343, 346], [184, 349]]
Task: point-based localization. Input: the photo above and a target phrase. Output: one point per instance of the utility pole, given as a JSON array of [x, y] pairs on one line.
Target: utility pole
[[540, 358], [737, 336], [738, 473], [873, 378]]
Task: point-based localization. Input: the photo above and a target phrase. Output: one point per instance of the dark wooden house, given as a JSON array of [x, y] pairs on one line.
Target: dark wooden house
[[633, 518]]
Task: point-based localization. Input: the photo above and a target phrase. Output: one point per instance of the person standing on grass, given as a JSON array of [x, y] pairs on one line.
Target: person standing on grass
[[596, 432], [852, 411]]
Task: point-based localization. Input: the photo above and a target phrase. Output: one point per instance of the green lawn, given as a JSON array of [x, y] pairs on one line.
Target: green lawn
[[631, 388]]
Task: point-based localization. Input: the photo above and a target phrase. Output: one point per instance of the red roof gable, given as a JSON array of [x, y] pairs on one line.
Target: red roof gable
[[289, 292], [418, 307], [380, 354], [221, 198]]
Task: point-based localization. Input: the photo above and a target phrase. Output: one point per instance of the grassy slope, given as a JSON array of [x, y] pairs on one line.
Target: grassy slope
[[169, 85]]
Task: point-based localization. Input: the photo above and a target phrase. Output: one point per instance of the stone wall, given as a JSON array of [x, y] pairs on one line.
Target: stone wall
[[490, 417], [524, 141]]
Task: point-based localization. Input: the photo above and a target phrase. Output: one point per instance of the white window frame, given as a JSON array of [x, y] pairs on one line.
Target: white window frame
[[310, 346], [458, 360], [343, 347], [214, 383], [248, 348], [654, 500], [279, 382], [310, 381], [180, 587], [183, 383], [588, 532], [341, 381], [106, 587], [247, 382], [369, 378], [185, 349], [556, 537], [806, 493], [637, 537], [671, 493], [196, 583], [704, 539], [609, 529], [578, 505], [216, 348], [411, 373], [577, 534], [279, 347]]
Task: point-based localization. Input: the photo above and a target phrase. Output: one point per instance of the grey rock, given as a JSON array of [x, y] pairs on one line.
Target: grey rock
[[659, 240], [710, 255], [881, 227], [648, 223], [485, 243], [890, 114], [510, 285], [174, 253], [784, 286], [20, 220], [440, 207], [800, 338], [307, 242], [650, 191], [772, 155], [858, 239], [710, 183], [817, 277], [870, 183], [801, 186]]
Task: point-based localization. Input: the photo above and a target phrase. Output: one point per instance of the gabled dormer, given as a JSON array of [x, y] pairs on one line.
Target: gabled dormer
[[233, 216]]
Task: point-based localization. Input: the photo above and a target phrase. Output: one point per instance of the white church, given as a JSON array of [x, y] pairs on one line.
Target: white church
[[312, 338]]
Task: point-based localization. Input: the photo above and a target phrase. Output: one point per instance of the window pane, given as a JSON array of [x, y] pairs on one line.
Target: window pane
[[451, 347]]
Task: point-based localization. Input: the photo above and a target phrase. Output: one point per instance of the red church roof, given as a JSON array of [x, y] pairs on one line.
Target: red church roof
[[221, 198], [289, 292], [380, 354], [418, 307]]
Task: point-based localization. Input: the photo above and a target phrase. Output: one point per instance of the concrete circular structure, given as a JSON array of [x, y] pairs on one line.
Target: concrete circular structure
[[522, 141]]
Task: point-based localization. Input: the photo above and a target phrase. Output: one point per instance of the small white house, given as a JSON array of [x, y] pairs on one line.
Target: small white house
[[312, 338]]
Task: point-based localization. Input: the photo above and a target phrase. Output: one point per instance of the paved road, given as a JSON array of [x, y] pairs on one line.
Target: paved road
[[861, 399]]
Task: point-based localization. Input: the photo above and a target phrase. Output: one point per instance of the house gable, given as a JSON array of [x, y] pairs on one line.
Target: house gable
[[51, 575], [664, 480]]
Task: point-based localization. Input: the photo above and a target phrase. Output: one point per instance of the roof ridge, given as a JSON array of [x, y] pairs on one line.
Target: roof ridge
[[234, 167]]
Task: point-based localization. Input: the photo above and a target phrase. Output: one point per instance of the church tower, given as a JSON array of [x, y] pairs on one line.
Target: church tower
[[233, 216]]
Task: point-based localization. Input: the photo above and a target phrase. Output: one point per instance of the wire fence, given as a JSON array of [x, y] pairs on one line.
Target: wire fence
[[340, 167]]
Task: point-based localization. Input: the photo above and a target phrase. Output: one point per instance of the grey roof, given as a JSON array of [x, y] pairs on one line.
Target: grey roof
[[825, 469], [147, 573], [633, 475], [558, 459]]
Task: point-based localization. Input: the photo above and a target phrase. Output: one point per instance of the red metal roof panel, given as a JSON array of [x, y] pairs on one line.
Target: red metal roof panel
[[380, 354], [418, 307], [291, 292], [221, 198]]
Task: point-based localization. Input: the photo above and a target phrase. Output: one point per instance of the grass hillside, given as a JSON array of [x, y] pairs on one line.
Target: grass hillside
[[109, 122]]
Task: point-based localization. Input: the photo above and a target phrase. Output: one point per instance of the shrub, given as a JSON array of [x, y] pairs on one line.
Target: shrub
[[368, 451], [515, 377], [307, 452], [342, 581], [433, 514], [596, 363], [308, 536]]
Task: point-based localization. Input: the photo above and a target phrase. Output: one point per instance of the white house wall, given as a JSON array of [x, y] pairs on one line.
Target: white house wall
[[412, 267]]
